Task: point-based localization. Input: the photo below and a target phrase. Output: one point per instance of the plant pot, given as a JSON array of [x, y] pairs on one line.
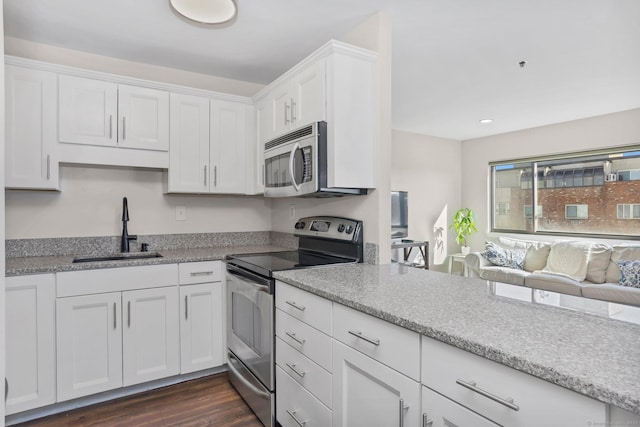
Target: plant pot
[[466, 250]]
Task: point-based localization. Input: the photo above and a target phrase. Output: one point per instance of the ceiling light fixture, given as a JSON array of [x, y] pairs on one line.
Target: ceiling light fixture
[[206, 11], [486, 121]]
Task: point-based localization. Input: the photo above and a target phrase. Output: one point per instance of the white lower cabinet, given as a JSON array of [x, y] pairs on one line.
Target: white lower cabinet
[[89, 344], [296, 407], [438, 411], [30, 342], [367, 393], [201, 342]]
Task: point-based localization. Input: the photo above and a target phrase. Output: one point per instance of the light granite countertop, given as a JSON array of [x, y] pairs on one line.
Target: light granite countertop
[[586, 353], [53, 264]]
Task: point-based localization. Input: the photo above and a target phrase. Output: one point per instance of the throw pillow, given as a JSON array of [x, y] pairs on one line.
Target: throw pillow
[[599, 257], [624, 253], [512, 258], [537, 255], [509, 243], [569, 258], [629, 273]]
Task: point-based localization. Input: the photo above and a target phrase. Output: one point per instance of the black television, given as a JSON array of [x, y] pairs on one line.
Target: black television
[[399, 214]]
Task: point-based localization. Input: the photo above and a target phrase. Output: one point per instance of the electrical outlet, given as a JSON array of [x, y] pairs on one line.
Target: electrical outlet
[[181, 213], [292, 211]]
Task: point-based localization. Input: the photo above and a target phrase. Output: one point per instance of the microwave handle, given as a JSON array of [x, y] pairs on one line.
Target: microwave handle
[[295, 148]]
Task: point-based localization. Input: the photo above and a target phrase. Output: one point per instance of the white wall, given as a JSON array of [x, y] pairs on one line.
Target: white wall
[[429, 169], [609, 130], [90, 204], [375, 208], [2, 224], [105, 64]]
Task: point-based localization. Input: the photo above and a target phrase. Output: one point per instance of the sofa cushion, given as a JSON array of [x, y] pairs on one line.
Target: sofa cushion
[[509, 243], [599, 258], [537, 255], [568, 258], [621, 252], [554, 282], [629, 273], [502, 257], [613, 292], [504, 275]]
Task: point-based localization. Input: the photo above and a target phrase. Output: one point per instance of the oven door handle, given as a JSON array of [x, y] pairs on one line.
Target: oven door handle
[[244, 381], [250, 279], [295, 148]]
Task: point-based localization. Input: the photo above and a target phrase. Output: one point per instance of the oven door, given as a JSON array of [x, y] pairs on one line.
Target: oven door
[[292, 169], [250, 318]]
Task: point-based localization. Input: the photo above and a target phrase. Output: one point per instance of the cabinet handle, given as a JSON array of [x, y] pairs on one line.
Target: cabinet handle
[[186, 307], [362, 337], [6, 389], [401, 408], [471, 385], [295, 370], [205, 176], [124, 128], [296, 306], [426, 422], [128, 314], [48, 167], [293, 111], [201, 273], [115, 324], [292, 414], [110, 126], [215, 176], [286, 118], [295, 338]]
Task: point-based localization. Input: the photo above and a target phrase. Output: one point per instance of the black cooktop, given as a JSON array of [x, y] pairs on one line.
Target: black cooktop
[[267, 262]]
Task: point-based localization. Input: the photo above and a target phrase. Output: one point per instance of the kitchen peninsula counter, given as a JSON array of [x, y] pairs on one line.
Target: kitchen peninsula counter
[[587, 353]]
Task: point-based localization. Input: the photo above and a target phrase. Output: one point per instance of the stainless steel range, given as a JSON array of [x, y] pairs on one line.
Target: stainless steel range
[[251, 302]]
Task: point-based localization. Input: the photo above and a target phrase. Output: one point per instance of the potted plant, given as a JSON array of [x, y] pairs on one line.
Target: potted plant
[[464, 225]]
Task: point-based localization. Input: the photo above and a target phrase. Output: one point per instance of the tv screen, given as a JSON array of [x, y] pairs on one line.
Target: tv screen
[[399, 214]]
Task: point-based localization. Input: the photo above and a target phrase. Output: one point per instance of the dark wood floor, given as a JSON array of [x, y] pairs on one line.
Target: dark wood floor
[[209, 401]]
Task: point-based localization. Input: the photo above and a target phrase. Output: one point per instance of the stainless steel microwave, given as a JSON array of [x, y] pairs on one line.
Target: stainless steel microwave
[[295, 164]]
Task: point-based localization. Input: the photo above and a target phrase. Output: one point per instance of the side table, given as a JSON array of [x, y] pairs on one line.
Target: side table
[[458, 258]]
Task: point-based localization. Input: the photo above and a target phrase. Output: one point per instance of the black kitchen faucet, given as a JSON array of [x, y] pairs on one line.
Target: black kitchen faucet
[[126, 238]]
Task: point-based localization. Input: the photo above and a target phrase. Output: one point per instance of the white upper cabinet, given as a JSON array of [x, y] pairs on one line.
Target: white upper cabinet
[[228, 147], [96, 112], [189, 144], [31, 157]]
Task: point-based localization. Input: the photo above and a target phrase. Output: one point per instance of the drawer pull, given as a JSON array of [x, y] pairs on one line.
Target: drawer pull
[[296, 306], [292, 366], [296, 339], [201, 273], [292, 414], [362, 337], [471, 385], [426, 422]]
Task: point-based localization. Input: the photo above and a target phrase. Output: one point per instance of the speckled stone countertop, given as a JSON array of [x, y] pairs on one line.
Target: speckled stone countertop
[[592, 355], [53, 264]]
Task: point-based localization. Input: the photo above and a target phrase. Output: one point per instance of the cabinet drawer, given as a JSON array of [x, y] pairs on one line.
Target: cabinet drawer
[[295, 406], [438, 411], [311, 309], [304, 371], [309, 341], [199, 272], [392, 345], [469, 379]]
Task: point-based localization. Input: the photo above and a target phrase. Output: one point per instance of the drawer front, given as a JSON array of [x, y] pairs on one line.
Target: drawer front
[[489, 388], [304, 371], [438, 411], [295, 406], [392, 345], [200, 272], [307, 340], [311, 309]]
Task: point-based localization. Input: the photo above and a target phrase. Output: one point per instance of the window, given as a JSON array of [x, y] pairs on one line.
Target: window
[[628, 211], [576, 211], [586, 193]]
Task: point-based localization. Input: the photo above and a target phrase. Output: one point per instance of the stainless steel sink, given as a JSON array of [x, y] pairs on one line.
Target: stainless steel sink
[[118, 257]]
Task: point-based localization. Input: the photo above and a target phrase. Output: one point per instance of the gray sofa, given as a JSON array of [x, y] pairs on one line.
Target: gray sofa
[[578, 268]]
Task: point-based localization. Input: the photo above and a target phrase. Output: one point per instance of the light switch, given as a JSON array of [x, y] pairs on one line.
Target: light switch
[[181, 213], [292, 211]]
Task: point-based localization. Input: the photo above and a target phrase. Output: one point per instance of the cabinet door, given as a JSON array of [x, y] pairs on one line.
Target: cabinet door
[[438, 411], [200, 327], [30, 342], [189, 144], [89, 344], [280, 100], [87, 111], [228, 147], [262, 135], [31, 113], [150, 337], [308, 103], [143, 116], [368, 393]]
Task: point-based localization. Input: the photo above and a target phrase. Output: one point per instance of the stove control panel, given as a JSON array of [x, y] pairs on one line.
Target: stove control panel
[[335, 228]]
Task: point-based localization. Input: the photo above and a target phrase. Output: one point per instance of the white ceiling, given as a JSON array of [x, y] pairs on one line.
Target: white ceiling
[[454, 61]]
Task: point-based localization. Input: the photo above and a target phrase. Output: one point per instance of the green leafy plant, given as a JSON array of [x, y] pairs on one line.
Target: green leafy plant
[[464, 225]]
